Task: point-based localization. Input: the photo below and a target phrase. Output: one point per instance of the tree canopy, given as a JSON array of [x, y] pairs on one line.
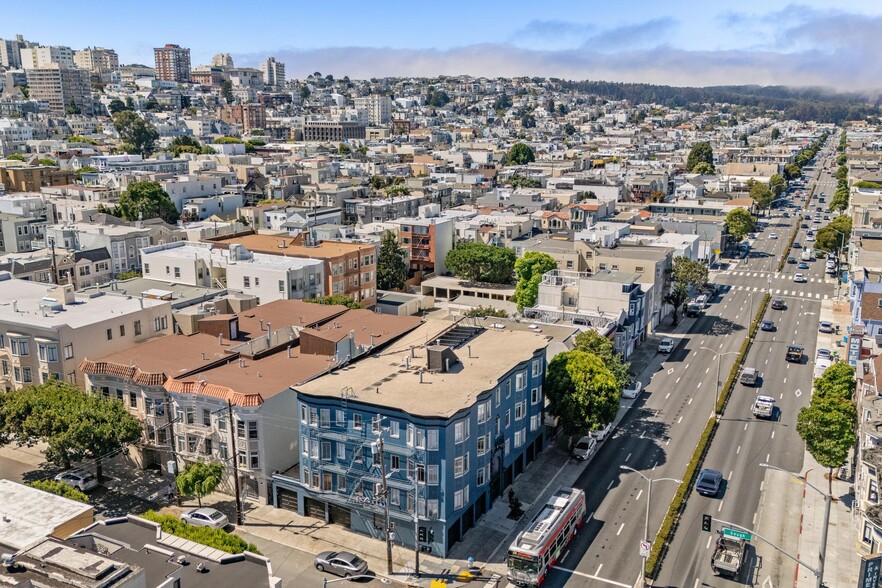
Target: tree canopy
[[591, 341], [199, 479], [835, 235], [391, 263], [581, 391], [777, 184], [739, 223], [837, 381], [135, 131], [827, 427], [704, 168], [331, 299], [528, 271], [520, 154], [478, 262], [146, 200], [761, 193], [75, 425], [700, 152], [687, 274]]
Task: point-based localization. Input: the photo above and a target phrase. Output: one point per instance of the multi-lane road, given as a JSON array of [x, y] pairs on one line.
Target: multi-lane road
[[658, 435]]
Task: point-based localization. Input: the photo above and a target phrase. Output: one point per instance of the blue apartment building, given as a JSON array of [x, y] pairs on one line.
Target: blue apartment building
[[460, 411]]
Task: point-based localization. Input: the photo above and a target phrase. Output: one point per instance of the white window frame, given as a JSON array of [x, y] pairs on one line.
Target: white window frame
[[432, 440], [535, 395], [458, 467], [537, 367], [457, 500], [432, 475], [341, 451], [394, 429]]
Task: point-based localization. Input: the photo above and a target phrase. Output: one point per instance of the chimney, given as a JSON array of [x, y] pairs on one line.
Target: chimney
[[406, 362], [289, 352], [241, 362], [469, 347], [15, 306], [220, 338], [269, 333], [261, 324], [203, 356], [421, 376]]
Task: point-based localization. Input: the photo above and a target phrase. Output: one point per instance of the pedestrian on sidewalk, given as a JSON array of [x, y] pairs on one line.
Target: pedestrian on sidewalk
[[170, 492]]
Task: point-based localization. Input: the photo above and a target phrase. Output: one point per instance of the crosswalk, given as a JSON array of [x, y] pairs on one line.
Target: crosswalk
[[780, 292], [776, 276]]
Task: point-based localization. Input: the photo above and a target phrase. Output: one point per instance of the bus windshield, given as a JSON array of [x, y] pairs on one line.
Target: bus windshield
[[523, 564]]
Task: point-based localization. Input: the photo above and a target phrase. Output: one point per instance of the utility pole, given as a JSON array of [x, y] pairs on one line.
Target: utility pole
[[235, 464], [171, 434], [54, 265], [385, 482], [416, 524]]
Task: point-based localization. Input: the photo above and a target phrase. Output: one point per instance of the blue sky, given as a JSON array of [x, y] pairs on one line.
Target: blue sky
[[669, 41]]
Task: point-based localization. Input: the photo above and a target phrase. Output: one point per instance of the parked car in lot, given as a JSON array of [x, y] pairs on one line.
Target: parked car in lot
[[341, 563], [824, 354], [825, 327], [632, 390], [666, 345], [709, 482], [205, 517], [601, 434], [767, 326], [778, 304], [82, 481], [585, 447]]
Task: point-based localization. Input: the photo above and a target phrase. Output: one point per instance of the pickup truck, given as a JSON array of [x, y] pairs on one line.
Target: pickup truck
[[728, 556], [763, 407]]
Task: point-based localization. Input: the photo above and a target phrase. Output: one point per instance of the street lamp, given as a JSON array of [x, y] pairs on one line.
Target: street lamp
[[649, 482], [719, 361], [828, 500]]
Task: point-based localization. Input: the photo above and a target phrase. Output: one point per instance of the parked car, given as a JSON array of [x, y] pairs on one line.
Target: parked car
[[824, 354], [767, 326], [800, 278], [601, 434], [205, 517], [82, 481], [632, 390], [666, 345], [778, 304], [341, 563], [709, 482], [825, 327], [585, 447]]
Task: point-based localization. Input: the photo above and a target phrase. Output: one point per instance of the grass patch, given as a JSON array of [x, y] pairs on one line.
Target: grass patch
[[217, 538]]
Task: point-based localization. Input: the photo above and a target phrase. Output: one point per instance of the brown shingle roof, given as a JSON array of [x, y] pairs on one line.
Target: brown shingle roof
[[870, 310]]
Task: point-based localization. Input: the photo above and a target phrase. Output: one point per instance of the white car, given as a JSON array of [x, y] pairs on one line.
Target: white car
[[601, 434], [666, 345], [798, 278], [82, 481], [205, 517], [809, 237], [585, 447], [632, 390], [773, 236]]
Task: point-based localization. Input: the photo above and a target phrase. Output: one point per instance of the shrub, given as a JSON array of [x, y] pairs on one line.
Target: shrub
[[217, 538], [481, 311], [60, 489]]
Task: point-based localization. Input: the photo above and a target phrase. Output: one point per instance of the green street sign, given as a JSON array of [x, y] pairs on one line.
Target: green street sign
[[736, 534]]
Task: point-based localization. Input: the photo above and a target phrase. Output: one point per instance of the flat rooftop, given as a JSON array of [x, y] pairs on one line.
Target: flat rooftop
[[33, 514], [277, 245], [180, 295], [282, 313], [383, 380], [616, 276], [87, 309]]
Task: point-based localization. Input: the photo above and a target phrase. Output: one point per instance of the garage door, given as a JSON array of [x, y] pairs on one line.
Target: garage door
[[314, 508], [287, 499], [340, 516]]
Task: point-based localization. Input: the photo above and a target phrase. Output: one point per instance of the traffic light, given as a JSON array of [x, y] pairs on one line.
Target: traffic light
[[706, 521], [422, 535]]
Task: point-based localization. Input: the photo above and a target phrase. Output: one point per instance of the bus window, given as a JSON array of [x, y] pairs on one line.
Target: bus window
[[523, 564]]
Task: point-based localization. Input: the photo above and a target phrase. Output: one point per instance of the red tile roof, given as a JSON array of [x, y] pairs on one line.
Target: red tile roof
[[213, 390]]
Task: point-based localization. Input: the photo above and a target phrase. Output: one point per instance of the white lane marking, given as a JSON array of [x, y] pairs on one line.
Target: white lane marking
[[768, 457], [702, 342], [730, 473], [767, 361], [763, 483], [699, 386], [679, 420], [619, 532], [773, 434], [745, 426], [707, 370], [754, 519], [561, 560], [639, 494], [629, 457], [591, 516], [709, 541], [690, 401], [737, 451], [668, 442], [720, 509], [785, 380], [721, 345], [686, 367], [782, 396], [611, 482], [642, 433], [670, 371], [668, 395], [678, 381], [590, 577], [601, 565], [697, 580]]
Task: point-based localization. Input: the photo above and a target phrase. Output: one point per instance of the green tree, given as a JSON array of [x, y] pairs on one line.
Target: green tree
[[129, 275], [477, 262], [332, 299], [75, 425], [837, 381], [80, 139], [502, 102], [569, 129], [739, 223], [528, 121], [136, 131], [148, 200], [226, 90], [185, 144], [827, 427], [529, 271], [520, 154], [791, 171], [704, 168], [437, 98], [391, 263], [518, 181], [761, 194], [686, 275], [842, 172], [839, 201], [777, 184], [343, 149], [46, 162], [396, 190], [116, 105], [841, 159], [701, 151], [59, 488], [16, 156], [482, 311], [72, 107], [591, 341], [581, 391], [835, 235], [206, 150], [776, 132], [199, 479], [866, 184]]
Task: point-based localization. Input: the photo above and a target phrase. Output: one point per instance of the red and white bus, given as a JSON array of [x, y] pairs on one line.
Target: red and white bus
[[537, 548]]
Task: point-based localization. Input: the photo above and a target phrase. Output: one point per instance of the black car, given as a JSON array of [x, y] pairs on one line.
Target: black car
[[767, 326], [796, 245], [791, 260], [778, 304], [709, 482]]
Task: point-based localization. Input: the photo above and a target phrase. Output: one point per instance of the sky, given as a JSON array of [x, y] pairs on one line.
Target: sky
[[675, 42]]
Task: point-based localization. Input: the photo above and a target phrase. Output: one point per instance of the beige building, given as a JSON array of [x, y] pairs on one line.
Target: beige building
[[96, 59], [46, 330], [60, 86]]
